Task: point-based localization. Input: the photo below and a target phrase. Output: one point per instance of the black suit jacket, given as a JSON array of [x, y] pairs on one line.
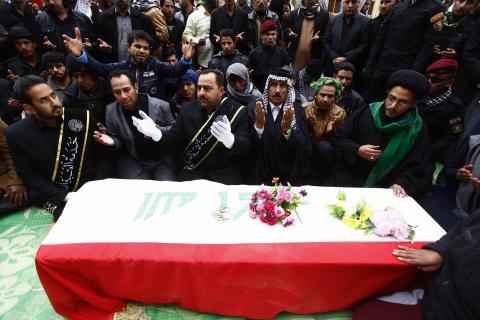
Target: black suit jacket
[[295, 22], [33, 147], [223, 165], [107, 29], [357, 39]]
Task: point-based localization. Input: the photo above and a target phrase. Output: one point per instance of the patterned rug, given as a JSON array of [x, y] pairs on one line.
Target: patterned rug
[[23, 298]]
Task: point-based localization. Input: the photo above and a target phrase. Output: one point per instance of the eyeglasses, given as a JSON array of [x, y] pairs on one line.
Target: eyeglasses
[[402, 103]]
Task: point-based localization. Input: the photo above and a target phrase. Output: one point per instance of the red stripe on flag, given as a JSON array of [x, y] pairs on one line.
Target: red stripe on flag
[[92, 281]]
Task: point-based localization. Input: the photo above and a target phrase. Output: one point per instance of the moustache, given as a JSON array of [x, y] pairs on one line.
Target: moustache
[[276, 95]]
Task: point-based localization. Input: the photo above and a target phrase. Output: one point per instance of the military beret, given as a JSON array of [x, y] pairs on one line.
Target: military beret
[[416, 82], [268, 25], [448, 65]]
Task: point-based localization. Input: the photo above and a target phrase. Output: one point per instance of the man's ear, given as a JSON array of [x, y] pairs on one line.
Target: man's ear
[[28, 108]]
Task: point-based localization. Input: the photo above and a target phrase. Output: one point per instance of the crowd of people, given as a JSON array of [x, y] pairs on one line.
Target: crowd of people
[[240, 93]]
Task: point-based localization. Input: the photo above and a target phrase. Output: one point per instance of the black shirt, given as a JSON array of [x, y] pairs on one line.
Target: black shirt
[[143, 146]]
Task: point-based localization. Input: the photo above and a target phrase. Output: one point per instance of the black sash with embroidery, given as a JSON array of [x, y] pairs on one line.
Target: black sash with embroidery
[[203, 143], [72, 143]]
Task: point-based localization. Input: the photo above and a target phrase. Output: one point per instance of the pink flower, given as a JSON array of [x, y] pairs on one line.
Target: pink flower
[[279, 212], [260, 207], [390, 222], [284, 195], [270, 207]]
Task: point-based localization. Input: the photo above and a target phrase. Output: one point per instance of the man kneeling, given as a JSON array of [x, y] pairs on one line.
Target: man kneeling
[[386, 143]]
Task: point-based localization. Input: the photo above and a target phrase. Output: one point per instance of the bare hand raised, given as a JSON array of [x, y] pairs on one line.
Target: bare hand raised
[[188, 48], [287, 119], [292, 35], [316, 37], [47, 44], [74, 46], [259, 115]]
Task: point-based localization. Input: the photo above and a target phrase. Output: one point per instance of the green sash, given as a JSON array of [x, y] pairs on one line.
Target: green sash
[[203, 143], [405, 132]]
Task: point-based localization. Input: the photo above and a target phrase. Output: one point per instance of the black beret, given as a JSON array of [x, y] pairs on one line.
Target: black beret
[[411, 80], [17, 32], [75, 66]]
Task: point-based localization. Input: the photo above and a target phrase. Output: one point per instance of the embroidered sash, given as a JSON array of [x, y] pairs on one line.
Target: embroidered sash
[[203, 143], [72, 142]]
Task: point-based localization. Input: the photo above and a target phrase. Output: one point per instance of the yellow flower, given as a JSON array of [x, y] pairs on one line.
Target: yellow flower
[[275, 180], [351, 222], [366, 213]]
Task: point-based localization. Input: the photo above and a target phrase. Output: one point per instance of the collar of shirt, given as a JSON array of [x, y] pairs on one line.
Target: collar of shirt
[[202, 8], [275, 110], [116, 13]]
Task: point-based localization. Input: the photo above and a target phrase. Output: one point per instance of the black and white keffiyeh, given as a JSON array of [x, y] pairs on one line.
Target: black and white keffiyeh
[[290, 99], [441, 98]]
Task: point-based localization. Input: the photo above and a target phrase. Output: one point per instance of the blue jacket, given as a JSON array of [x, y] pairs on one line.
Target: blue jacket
[[149, 75]]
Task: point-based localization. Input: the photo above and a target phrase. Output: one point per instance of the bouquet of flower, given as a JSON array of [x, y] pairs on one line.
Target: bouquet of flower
[[386, 222], [276, 205]]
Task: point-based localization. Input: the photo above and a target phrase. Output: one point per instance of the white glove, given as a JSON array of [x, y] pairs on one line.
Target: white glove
[[69, 196], [147, 126], [222, 131]]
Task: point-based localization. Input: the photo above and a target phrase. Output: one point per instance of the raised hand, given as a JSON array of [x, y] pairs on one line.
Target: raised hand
[[259, 115], [223, 132], [339, 60], [87, 45], [239, 36], [103, 139], [74, 46], [95, 7], [188, 48], [316, 37], [287, 119], [216, 38], [101, 128], [147, 126], [14, 103], [312, 119], [47, 44], [292, 35], [12, 76], [103, 46], [423, 259]]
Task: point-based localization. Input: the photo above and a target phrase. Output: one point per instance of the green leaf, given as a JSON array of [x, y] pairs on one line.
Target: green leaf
[[341, 196]]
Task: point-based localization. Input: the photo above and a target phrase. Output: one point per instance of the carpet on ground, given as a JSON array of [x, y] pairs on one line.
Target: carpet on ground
[[23, 298]]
